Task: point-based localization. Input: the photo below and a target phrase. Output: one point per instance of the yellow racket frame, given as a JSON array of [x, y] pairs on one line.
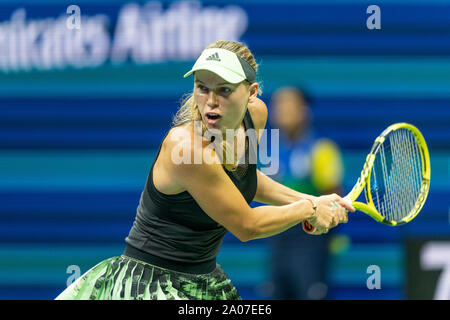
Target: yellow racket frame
[[364, 180]]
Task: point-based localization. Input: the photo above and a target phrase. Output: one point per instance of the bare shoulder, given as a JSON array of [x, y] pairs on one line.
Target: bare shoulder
[[179, 136], [174, 148], [258, 111], [184, 153]]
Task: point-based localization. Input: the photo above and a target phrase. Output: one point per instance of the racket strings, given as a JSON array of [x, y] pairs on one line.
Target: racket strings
[[402, 156], [406, 194], [396, 175]]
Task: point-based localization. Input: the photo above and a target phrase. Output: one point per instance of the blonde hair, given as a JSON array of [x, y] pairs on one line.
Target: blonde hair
[[188, 110]]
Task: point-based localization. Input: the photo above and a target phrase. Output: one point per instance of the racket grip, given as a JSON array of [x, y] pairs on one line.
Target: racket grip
[[348, 200], [309, 228]]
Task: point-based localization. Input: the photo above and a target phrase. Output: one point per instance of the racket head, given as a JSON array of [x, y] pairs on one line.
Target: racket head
[[411, 152], [395, 177]]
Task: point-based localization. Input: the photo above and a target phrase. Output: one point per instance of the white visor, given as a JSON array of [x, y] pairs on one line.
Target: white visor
[[225, 64]]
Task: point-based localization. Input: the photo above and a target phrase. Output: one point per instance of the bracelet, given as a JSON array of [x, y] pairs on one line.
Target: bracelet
[[314, 205]]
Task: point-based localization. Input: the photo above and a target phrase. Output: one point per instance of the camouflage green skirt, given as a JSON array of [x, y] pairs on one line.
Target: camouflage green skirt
[[122, 277]]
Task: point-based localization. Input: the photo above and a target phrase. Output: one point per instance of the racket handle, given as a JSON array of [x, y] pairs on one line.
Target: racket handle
[[309, 228], [348, 200]]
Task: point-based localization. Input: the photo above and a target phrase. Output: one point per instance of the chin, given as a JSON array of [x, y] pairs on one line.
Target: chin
[[214, 127]]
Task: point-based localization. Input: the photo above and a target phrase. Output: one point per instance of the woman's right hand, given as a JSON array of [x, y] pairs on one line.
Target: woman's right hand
[[331, 210]]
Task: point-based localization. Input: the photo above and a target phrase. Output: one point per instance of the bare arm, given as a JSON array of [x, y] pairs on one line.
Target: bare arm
[[274, 193]]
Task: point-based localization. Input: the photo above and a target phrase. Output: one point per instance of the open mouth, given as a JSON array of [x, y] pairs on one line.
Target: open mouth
[[213, 116]]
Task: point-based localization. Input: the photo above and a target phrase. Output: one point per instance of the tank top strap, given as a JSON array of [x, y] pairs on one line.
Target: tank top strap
[[252, 137]]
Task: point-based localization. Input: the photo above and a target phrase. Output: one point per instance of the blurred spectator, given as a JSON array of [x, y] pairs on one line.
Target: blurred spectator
[[313, 166]]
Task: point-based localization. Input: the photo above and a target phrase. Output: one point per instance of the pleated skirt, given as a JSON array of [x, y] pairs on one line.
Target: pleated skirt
[[125, 278]]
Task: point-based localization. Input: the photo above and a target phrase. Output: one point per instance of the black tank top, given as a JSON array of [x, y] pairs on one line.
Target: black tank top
[[173, 232]]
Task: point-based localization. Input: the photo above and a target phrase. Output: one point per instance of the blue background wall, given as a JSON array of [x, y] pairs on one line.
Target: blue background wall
[[76, 144]]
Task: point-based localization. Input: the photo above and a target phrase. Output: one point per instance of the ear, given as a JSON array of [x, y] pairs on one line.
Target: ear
[[253, 90]]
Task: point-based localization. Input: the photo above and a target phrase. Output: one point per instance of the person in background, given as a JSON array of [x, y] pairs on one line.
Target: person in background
[[311, 165]]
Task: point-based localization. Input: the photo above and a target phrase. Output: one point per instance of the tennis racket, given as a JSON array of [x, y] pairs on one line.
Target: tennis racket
[[395, 177]]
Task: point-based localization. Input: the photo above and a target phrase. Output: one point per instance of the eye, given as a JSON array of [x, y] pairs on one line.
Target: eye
[[225, 91], [202, 88]]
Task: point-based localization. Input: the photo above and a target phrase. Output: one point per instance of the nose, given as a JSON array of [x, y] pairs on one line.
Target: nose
[[212, 99]]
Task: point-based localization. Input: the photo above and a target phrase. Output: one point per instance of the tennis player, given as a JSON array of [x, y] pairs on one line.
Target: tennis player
[[187, 207]]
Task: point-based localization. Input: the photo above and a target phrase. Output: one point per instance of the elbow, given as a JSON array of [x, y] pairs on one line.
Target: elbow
[[248, 227], [247, 233], [244, 237]]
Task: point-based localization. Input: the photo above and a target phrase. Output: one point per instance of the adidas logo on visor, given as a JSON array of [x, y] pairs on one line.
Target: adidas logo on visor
[[214, 57]]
